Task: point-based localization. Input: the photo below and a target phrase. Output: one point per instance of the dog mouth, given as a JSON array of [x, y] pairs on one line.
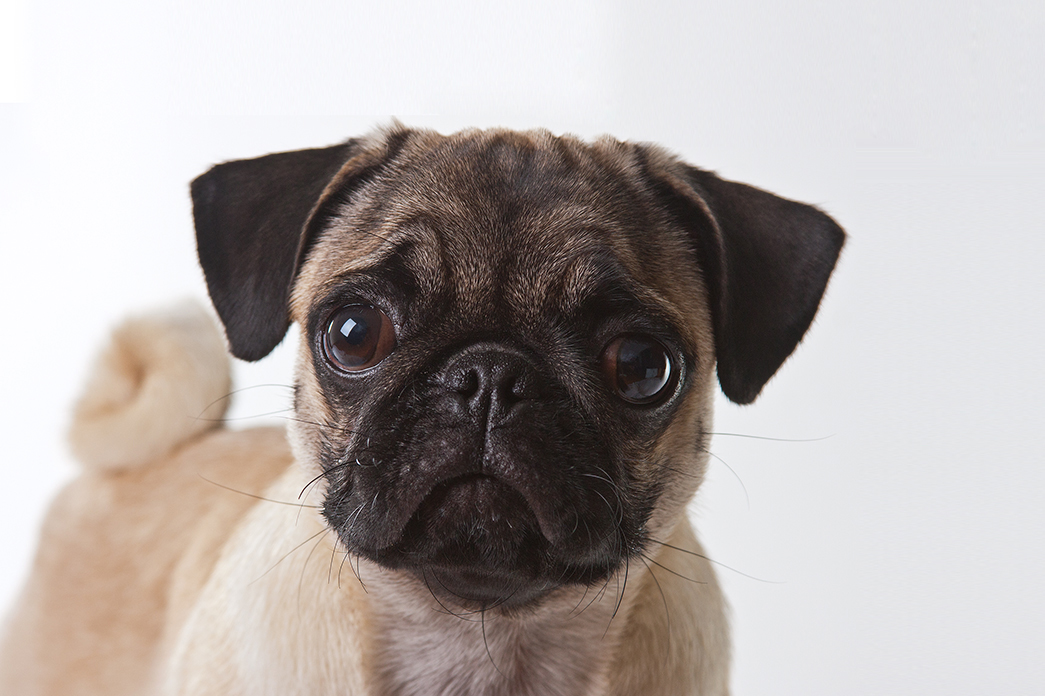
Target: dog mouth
[[500, 523], [475, 541], [488, 499], [474, 520]]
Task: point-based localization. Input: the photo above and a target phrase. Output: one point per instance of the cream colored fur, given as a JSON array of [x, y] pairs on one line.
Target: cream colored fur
[[159, 572], [160, 381]]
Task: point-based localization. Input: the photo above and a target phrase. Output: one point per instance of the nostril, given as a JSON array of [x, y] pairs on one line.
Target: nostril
[[520, 388], [466, 382]]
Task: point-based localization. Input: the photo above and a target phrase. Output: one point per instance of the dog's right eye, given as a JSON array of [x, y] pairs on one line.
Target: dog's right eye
[[358, 337]]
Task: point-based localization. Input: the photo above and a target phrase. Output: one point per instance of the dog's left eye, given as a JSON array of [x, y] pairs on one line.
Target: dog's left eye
[[638, 367], [358, 337]]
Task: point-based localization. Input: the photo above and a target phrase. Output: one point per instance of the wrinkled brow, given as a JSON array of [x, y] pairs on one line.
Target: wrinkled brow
[[598, 277], [404, 263]]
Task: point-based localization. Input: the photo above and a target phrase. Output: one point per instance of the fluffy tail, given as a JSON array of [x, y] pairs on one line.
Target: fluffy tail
[[163, 379]]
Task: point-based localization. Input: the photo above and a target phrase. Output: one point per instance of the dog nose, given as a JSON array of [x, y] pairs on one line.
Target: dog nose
[[492, 380]]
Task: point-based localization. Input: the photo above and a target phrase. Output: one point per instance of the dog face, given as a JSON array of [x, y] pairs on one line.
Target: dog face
[[510, 339]]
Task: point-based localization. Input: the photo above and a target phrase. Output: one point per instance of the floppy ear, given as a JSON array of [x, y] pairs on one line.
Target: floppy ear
[[250, 217], [255, 221], [766, 261]]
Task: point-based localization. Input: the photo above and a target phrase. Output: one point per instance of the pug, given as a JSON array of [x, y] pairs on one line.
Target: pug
[[502, 407]]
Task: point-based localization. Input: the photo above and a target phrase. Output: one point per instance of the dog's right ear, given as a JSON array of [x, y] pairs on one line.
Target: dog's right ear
[[250, 215], [253, 230]]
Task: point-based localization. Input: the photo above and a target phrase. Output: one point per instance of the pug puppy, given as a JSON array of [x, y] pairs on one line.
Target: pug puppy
[[502, 406]]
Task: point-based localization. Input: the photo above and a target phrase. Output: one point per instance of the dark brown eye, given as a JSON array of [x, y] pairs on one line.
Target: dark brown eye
[[637, 367], [358, 337]]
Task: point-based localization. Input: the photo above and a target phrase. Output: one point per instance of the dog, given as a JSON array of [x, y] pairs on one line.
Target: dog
[[502, 407]]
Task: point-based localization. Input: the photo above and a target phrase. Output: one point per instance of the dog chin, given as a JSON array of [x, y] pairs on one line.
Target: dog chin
[[477, 543]]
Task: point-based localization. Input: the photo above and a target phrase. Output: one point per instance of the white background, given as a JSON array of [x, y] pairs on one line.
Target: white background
[[901, 555]]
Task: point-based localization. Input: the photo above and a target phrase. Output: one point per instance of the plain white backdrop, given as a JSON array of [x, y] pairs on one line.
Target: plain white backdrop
[[897, 546]]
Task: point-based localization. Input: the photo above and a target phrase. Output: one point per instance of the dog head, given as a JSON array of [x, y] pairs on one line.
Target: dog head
[[510, 340]]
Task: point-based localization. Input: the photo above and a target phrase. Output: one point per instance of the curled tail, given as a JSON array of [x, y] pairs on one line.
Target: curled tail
[[162, 380]]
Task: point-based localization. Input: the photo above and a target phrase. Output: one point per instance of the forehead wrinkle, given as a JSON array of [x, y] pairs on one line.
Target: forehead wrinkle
[[352, 254], [561, 245], [453, 221], [651, 297], [581, 280], [540, 265], [586, 277], [334, 255], [341, 263], [426, 261]]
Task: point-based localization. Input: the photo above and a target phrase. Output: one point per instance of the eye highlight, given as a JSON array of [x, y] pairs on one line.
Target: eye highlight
[[638, 367], [358, 337]]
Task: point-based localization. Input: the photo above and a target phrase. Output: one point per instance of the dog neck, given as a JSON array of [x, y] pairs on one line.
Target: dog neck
[[422, 646]]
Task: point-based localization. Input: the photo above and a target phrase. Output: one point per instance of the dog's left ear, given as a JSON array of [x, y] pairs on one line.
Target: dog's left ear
[[765, 260], [254, 226]]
